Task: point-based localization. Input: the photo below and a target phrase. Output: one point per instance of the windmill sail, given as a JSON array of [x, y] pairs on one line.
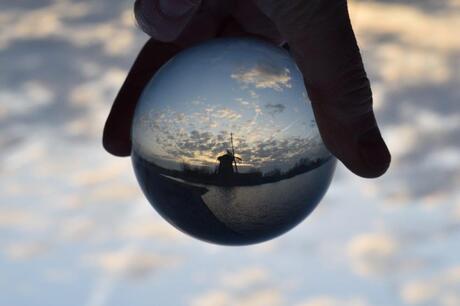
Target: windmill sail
[[233, 153]]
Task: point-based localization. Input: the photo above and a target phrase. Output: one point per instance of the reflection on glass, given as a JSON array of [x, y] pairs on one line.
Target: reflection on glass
[[225, 145]]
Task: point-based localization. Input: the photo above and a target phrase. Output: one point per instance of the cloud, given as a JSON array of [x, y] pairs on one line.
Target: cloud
[[331, 301], [409, 23], [25, 250], [372, 253], [456, 211], [405, 138], [264, 75], [28, 97], [422, 146], [249, 286], [19, 219], [97, 89], [264, 249], [265, 145], [77, 228], [212, 298], [417, 292], [400, 139], [275, 108], [102, 173], [130, 263], [416, 81], [262, 297], [116, 36], [253, 94], [422, 66], [242, 101], [245, 278], [92, 97], [441, 289], [146, 228], [228, 114], [115, 192], [76, 78]]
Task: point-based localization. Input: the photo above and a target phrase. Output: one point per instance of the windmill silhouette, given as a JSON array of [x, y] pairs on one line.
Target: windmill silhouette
[[228, 162]]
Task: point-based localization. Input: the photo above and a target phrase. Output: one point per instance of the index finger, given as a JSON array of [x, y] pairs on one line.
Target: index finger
[[324, 46]]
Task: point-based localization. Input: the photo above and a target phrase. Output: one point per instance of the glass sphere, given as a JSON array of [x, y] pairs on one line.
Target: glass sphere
[[225, 144]]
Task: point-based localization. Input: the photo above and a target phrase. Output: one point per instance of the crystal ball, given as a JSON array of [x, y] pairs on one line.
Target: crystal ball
[[225, 144]]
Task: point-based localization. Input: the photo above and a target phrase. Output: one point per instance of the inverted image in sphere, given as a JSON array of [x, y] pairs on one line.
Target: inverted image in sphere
[[225, 144]]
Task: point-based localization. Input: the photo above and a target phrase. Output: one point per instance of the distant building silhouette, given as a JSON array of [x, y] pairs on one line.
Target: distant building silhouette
[[226, 163]]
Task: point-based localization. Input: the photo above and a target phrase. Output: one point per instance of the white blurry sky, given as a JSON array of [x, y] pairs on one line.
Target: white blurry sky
[[76, 230]]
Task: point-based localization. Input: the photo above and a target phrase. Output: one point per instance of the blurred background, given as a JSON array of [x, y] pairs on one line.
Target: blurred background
[[75, 228]]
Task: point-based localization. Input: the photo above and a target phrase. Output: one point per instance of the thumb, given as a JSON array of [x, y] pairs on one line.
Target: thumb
[[325, 49], [116, 136]]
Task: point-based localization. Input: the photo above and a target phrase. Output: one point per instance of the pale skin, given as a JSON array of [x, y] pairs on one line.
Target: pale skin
[[320, 38]]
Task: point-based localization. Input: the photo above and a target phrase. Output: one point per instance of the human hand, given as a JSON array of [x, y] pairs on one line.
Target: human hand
[[322, 42]]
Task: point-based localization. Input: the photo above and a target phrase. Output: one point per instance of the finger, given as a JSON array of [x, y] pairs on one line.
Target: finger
[[324, 46], [184, 22], [254, 21], [164, 20], [116, 137]]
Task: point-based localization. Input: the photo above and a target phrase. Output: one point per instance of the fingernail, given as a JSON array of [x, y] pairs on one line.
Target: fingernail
[[374, 150], [176, 8]]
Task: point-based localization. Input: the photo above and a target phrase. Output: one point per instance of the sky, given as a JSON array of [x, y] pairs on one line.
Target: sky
[[247, 88], [76, 229]]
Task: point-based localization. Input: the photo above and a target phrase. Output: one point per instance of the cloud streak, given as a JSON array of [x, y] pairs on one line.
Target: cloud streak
[[264, 75]]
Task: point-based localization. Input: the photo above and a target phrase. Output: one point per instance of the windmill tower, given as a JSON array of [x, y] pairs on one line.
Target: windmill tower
[[233, 153]]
